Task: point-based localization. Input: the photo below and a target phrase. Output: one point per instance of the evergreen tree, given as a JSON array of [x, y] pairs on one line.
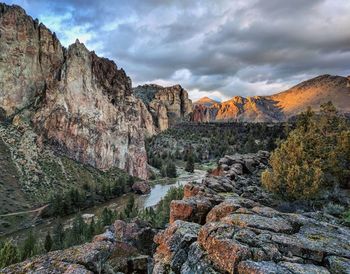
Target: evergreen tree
[[163, 171], [171, 170], [270, 145], [58, 235], [48, 242], [78, 231], [92, 229], [29, 248], [250, 146], [130, 210], [315, 156], [8, 254], [106, 216], [190, 163], [56, 202]]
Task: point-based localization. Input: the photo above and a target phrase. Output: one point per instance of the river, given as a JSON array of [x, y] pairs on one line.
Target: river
[[158, 191]]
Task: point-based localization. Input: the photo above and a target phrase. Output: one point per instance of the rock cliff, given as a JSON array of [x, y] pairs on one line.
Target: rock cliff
[[168, 105], [280, 106], [80, 104]]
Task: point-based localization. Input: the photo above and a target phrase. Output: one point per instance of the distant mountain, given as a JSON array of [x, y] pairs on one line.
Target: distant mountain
[[206, 101], [313, 93], [167, 105], [280, 106]]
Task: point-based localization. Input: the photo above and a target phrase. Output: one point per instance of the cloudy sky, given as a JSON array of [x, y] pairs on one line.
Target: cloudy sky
[[215, 48]]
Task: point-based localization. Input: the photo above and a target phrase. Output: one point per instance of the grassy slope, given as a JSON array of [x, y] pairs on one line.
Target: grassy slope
[[29, 175]]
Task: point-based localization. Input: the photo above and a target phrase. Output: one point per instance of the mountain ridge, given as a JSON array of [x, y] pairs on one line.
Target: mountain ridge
[[280, 106]]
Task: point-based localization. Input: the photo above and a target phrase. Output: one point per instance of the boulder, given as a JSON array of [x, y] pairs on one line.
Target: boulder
[[264, 267], [136, 233], [141, 187], [173, 245], [223, 251], [338, 265], [194, 209], [86, 258]]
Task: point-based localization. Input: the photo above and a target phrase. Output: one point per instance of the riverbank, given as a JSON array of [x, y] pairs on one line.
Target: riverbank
[[158, 191]]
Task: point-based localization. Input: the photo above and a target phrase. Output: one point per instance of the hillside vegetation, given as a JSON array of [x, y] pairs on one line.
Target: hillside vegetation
[[314, 158]]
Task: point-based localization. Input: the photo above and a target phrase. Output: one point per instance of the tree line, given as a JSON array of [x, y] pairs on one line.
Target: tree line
[[75, 200]]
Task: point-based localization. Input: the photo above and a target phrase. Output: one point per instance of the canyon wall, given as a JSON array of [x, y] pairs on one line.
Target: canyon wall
[[168, 105], [78, 103]]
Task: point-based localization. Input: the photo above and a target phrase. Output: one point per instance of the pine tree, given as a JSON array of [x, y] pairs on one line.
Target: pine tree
[[58, 235], [106, 216], [92, 229], [78, 231], [48, 242], [130, 210], [163, 171], [29, 248], [171, 170], [314, 158], [9, 254], [190, 163]]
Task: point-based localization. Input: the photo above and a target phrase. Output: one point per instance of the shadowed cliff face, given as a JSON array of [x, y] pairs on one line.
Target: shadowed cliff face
[[81, 104], [280, 106], [168, 105]]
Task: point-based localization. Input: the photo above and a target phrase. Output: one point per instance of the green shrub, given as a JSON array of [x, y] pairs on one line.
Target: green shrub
[[314, 157], [346, 217], [9, 254]]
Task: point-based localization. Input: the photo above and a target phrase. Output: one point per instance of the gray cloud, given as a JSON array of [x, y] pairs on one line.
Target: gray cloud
[[223, 47]]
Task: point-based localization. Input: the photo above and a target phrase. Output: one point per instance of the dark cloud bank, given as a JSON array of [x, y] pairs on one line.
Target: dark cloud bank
[[219, 48]]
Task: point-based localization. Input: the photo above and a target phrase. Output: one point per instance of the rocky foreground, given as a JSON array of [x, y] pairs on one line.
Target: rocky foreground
[[225, 224]]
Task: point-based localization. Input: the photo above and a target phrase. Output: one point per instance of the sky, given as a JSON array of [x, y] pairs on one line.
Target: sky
[[215, 48]]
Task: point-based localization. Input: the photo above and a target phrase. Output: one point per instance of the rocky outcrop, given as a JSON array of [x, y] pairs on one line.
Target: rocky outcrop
[[121, 248], [137, 233], [141, 187], [280, 106], [80, 104], [168, 105], [203, 113], [240, 230]]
